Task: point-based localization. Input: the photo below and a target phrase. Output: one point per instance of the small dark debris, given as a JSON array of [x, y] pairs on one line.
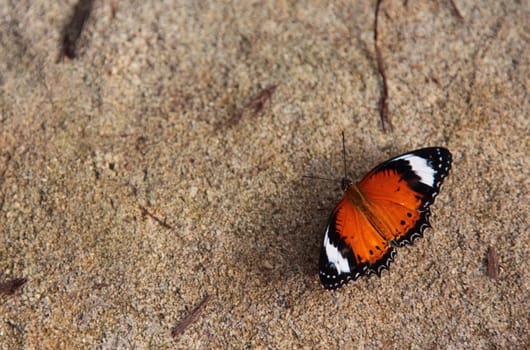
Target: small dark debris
[[256, 104], [113, 8], [457, 11], [162, 223], [99, 286], [192, 317], [73, 29], [492, 268], [10, 287]]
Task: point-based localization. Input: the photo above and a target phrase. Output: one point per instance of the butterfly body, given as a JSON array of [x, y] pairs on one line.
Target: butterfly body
[[389, 207]]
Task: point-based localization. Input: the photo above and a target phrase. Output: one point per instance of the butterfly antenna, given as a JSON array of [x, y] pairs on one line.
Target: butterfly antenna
[[344, 153], [318, 177], [345, 181]]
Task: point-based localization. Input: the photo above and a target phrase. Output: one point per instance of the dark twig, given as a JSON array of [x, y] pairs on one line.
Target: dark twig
[[383, 102], [10, 287], [100, 285], [259, 100], [256, 103], [2, 180], [192, 317], [163, 223], [124, 135], [492, 269], [73, 29], [457, 11]]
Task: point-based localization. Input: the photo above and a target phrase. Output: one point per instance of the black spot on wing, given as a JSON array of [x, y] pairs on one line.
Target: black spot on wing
[[382, 264], [415, 232]]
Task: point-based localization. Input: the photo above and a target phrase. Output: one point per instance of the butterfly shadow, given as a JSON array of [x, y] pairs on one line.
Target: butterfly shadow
[[285, 245]]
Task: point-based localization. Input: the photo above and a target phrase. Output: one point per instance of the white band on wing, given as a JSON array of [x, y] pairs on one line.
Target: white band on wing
[[334, 256], [421, 168]]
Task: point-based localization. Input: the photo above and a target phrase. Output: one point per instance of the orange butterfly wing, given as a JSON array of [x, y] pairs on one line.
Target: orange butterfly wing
[[352, 247], [389, 206]]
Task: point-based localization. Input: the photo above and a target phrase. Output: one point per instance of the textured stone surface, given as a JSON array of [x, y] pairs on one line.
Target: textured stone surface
[[150, 122]]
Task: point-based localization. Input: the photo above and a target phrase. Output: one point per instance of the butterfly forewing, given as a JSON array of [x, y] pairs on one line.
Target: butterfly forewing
[[401, 190]]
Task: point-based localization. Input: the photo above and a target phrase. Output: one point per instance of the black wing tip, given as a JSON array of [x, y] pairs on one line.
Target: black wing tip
[[334, 282], [425, 151], [440, 160]]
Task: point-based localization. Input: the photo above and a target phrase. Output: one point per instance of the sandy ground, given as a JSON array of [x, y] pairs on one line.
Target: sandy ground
[[135, 180]]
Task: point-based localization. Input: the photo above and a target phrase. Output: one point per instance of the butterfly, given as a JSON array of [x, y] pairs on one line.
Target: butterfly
[[388, 208]]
